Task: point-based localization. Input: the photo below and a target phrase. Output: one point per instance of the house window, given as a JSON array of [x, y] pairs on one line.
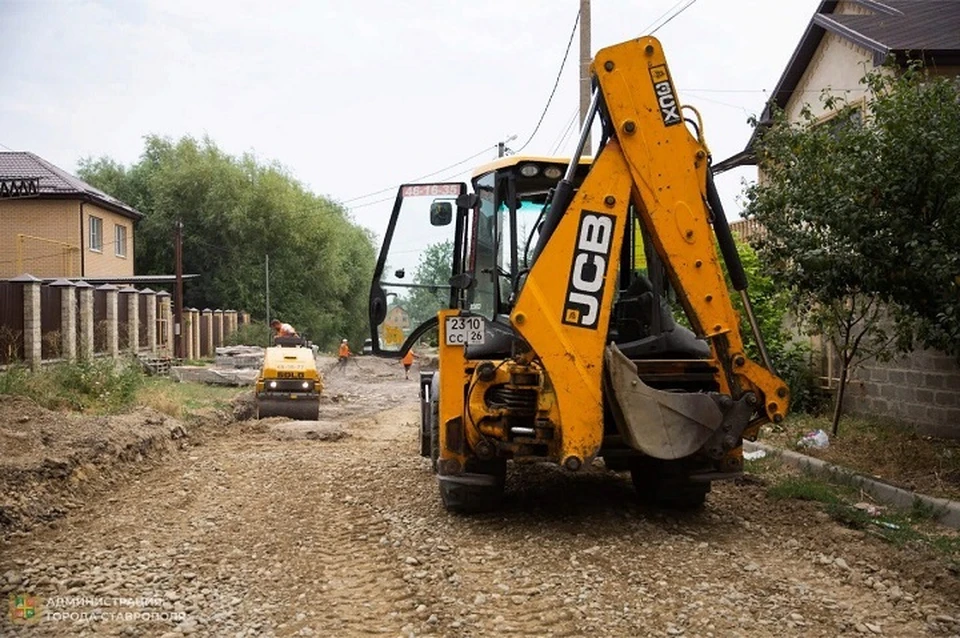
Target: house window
[[96, 233], [120, 240]]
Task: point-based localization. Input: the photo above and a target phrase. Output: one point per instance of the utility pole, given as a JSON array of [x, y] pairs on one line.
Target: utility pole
[[266, 276], [502, 146], [178, 349], [585, 59]]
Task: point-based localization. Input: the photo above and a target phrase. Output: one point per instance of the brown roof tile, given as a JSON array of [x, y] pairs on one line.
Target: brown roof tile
[[55, 181]]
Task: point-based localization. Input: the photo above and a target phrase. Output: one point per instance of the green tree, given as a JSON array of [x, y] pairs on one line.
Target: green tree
[[862, 218], [236, 210], [434, 270], [791, 358]]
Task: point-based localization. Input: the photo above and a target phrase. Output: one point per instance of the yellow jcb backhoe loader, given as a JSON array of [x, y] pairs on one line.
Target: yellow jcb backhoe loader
[[549, 288]]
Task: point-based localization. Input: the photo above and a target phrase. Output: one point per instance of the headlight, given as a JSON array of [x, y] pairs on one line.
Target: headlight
[[529, 170], [552, 172], [273, 384], [306, 385]]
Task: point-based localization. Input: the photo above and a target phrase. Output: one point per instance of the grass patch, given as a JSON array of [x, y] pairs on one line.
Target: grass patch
[[97, 386], [806, 488], [180, 399], [884, 449], [909, 527], [105, 386]]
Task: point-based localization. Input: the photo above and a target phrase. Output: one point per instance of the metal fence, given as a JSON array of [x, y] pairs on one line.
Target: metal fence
[[50, 322], [11, 322]]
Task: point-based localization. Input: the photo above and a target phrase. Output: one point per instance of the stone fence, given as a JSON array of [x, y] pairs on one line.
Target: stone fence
[[65, 320]]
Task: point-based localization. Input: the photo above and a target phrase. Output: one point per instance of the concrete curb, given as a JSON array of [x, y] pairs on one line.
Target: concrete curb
[[947, 512]]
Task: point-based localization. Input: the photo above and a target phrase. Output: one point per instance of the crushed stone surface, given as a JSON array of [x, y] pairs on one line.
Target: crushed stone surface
[[243, 532]]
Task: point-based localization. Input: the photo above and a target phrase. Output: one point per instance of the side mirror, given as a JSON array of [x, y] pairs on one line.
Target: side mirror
[[441, 213]]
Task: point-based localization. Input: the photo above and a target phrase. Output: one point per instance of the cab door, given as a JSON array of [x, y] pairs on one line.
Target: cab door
[[423, 247]]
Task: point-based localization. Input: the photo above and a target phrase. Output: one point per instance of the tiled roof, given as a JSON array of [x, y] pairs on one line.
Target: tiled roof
[[55, 181], [907, 25], [927, 27]]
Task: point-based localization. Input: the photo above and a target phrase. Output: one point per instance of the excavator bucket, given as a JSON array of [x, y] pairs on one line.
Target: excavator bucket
[[661, 424], [298, 409]]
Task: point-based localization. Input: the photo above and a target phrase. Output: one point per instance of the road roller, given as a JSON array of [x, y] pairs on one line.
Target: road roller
[[289, 384]]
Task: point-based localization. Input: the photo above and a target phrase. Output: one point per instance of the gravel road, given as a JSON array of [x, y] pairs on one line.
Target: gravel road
[[262, 529]]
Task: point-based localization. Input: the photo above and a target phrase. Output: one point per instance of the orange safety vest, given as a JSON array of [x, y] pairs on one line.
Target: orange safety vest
[[408, 358], [344, 350]]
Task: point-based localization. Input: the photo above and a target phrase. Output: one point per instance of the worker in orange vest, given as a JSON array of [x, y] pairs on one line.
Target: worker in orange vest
[[344, 353], [407, 361]]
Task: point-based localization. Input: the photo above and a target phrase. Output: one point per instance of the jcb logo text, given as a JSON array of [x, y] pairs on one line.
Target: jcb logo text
[[666, 97], [590, 258]]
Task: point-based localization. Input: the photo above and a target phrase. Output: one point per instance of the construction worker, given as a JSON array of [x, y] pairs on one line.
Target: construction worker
[[281, 329], [344, 353], [407, 361]]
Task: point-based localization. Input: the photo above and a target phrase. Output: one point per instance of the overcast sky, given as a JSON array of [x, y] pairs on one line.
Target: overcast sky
[[356, 96]]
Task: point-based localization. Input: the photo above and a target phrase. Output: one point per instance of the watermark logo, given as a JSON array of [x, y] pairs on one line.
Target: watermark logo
[[24, 608]]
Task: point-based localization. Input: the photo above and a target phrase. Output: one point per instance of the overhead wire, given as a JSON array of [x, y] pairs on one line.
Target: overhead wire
[[561, 144], [556, 83], [689, 4], [653, 24], [416, 179], [560, 140]]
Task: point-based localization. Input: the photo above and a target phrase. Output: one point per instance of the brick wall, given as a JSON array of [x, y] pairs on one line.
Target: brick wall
[[107, 262], [921, 388], [57, 220]]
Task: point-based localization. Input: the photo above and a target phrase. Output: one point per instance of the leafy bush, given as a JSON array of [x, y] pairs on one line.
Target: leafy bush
[[791, 359], [98, 385], [250, 334]]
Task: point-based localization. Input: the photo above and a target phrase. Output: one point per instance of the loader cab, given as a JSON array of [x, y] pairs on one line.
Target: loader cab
[[513, 195], [448, 248], [445, 247]]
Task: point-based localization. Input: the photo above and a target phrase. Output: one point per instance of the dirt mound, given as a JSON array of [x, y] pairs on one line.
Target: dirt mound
[[51, 459]]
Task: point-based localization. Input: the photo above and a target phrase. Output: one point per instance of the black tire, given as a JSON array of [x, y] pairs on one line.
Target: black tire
[[434, 426], [617, 463], [424, 428], [478, 490], [666, 484]]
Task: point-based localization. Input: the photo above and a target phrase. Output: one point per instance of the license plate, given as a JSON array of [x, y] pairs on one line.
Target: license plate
[[461, 331]]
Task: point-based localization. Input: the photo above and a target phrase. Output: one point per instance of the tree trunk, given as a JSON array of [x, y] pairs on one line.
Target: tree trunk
[[838, 408]]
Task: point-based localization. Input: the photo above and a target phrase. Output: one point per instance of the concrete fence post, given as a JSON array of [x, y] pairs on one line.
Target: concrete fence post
[[32, 334], [189, 323], [131, 297], [112, 320], [192, 319], [85, 334], [68, 319], [231, 326], [151, 302], [165, 312], [197, 327]]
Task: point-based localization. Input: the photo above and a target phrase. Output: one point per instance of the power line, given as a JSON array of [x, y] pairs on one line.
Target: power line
[[556, 83], [415, 179], [647, 29], [563, 131], [732, 106], [562, 141], [689, 4]]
